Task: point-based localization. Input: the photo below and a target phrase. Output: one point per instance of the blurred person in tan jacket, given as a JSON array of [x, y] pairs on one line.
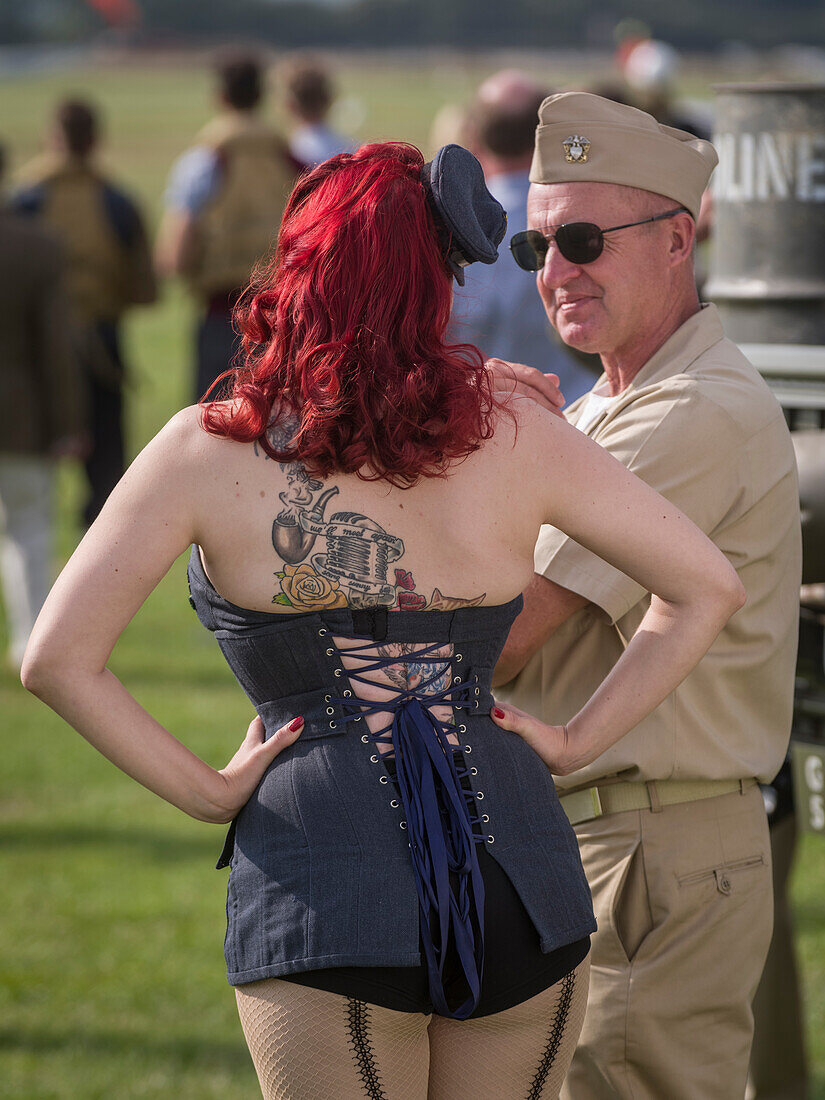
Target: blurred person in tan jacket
[[224, 201], [108, 270], [41, 414]]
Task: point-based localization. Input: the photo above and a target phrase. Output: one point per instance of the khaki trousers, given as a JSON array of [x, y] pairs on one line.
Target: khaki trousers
[[683, 900]]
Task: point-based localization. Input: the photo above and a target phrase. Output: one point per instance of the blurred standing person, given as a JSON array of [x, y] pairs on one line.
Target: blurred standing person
[[497, 309], [309, 98], [650, 69], [109, 269], [40, 414], [224, 202]]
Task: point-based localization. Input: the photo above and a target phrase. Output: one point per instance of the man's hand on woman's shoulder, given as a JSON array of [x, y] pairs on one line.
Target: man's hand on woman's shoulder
[[510, 378]]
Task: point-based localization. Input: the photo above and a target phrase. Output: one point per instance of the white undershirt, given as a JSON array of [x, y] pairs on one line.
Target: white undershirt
[[594, 405]]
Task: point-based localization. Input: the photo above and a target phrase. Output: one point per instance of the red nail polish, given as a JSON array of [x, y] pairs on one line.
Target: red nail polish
[[498, 713], [295, 724]]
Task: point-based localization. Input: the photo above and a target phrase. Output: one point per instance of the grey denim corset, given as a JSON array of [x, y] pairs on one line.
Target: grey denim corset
[[321, 873]]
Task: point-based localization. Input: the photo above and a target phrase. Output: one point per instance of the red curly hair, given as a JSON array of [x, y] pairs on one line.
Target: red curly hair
[[344, 328]]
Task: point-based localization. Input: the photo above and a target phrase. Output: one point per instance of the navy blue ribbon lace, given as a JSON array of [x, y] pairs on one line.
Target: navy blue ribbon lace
[[439, 810]]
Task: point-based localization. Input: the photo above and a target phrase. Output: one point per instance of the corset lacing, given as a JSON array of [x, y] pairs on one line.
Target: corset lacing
[[439, 808]]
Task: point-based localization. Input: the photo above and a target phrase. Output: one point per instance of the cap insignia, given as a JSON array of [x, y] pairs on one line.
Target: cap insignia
[[576, 149]]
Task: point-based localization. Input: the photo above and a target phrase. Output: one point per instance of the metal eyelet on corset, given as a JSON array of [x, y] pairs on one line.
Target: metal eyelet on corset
[[358, 719], [365, 738], [340, 672], [395, 804], [322, 633], [476, 691], [402, 824], [485, 818], [327, 698], [473, 771], [332, 726], [479, 795], [383, 779], [462, 729], [456, 679], [347, 693], [491, 840], [475, 679], [330, 710], [458, 657], [374, 758], [330, 651], [468, 748]]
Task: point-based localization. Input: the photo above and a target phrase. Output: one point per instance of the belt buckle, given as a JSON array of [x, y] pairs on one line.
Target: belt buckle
[[581, 806]]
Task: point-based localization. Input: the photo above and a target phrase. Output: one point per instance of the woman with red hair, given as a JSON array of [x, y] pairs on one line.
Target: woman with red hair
[[407, 913]]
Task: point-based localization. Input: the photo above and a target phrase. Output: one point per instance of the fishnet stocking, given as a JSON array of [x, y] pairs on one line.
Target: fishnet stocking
[[521, 1054], [308, 1044]]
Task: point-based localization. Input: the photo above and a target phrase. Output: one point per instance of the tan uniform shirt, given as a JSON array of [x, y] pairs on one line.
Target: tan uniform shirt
[[700, 425]]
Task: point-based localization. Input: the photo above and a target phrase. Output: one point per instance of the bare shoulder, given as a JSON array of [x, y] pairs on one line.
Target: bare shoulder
[[525, 428], [184, 439]]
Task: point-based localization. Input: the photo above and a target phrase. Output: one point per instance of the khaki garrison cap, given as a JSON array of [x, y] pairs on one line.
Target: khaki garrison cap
[[583, 137]]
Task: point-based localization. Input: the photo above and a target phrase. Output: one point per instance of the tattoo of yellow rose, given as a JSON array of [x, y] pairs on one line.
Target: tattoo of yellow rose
[[308, 590]]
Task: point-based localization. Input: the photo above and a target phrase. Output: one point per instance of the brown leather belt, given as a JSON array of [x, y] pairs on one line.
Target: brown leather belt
[[588, 803]]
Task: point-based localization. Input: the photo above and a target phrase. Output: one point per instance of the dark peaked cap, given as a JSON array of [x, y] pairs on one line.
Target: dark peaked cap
[[471, 222]]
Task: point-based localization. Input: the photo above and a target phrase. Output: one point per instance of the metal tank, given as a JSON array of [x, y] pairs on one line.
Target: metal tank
[[767, 277], [768, 247]]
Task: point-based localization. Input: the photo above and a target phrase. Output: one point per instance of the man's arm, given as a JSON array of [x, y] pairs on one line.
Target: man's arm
[[177, 244], [546, 606], [193, 181]]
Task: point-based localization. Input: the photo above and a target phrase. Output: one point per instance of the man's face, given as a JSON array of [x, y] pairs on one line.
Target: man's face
[[612, 304]]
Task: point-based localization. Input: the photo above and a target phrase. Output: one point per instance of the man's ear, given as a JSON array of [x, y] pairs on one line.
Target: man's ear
[[682, 230]]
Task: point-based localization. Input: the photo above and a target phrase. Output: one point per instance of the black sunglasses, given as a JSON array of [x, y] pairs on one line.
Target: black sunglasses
[[578, 242]]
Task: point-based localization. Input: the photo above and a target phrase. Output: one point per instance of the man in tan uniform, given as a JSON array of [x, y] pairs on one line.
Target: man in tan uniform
[[670, 821]]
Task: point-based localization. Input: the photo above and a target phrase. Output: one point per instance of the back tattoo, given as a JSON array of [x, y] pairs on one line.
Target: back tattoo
[[355, 555]]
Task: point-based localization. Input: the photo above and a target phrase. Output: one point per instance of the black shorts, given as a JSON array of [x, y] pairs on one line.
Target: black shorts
[[515, 968]]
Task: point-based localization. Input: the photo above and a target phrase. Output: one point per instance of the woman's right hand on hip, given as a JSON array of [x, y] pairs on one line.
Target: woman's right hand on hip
[[245, 770]]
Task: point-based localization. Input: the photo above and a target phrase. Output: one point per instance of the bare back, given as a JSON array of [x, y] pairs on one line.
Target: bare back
[[283, 541]]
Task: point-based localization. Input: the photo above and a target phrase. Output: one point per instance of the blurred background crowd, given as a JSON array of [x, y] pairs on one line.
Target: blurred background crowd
[[144, 165]]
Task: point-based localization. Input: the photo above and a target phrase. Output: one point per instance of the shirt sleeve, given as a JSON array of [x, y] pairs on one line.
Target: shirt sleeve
[[193, 180], [685, 447]]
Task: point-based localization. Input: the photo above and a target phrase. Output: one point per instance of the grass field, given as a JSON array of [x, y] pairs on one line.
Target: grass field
[[111, 967]]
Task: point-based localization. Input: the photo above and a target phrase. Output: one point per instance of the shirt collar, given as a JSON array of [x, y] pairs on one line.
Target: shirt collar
[[692, 339], [688, 342]]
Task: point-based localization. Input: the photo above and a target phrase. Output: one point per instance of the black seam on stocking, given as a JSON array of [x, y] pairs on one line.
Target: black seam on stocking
[[554, 1037], [359, 1040]]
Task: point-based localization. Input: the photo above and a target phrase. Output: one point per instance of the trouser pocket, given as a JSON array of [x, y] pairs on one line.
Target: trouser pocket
[[631, 914], [724, 876]]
